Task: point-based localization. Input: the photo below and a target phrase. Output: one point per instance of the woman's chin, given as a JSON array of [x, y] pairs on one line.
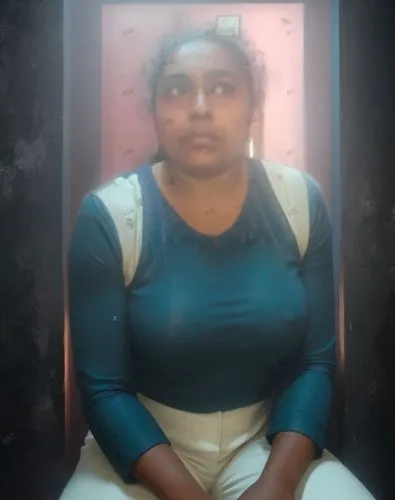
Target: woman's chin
[[203, 159]]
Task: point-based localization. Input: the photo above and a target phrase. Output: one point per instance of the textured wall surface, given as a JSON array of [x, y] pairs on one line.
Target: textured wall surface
[[368, 196], [31, 362], [276, 35]]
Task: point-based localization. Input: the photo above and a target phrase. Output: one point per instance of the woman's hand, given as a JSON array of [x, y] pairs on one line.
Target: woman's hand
[[289, 458], [164, 474], [266, 491]]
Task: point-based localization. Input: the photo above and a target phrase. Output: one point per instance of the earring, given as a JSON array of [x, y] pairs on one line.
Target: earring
[[250, 147]]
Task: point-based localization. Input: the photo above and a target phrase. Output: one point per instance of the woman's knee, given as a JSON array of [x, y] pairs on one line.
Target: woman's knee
[[328, 478], [85, 487], [95, 478]]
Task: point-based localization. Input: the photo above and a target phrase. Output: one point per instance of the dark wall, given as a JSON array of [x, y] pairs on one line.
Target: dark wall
[[368, 197], [31, 317]]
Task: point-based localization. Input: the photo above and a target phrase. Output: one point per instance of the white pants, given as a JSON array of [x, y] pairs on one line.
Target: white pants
[[226, 452]]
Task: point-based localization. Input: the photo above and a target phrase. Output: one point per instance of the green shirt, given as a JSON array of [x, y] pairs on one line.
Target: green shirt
[[208, 323]]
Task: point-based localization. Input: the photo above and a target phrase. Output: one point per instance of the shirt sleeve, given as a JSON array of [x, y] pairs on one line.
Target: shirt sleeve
[[304, 392], [123, 428]]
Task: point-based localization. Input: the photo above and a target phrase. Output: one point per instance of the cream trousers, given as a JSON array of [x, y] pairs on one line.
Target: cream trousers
[[226, 453]]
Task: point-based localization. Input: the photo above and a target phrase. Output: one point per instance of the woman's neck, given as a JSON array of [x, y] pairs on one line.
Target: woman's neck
[[203, 184]]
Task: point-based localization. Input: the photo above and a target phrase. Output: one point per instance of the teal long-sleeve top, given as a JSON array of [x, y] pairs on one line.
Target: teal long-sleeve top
[[208, 323]]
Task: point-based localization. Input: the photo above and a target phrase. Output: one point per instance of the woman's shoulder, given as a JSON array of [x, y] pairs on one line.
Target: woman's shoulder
[[307, 197], [291, 176], [300, 197], [111, 215], [121, 195], [119, 188]]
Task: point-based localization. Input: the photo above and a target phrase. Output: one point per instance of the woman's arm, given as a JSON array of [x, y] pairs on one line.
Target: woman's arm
[[289, 458], [161, 470], [302, 405], [127, 433]]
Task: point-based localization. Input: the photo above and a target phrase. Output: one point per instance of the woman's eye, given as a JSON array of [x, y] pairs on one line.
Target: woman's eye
[[174, 91], [224, 88], [177, 90]]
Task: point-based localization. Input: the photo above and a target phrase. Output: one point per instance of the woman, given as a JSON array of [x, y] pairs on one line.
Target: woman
[[210, 375]]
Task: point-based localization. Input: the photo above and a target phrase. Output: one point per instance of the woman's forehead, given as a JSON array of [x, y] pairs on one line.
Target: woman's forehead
[[200, 56]]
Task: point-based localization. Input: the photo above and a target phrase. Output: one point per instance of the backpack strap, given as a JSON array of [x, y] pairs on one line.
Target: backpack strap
[[289, 185], [123, 200]]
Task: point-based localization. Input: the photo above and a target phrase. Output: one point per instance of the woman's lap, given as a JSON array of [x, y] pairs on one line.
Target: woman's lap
[[325, 479], [94, 478]]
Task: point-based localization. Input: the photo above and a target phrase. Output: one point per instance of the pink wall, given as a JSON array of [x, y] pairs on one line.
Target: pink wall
[[131, 32]]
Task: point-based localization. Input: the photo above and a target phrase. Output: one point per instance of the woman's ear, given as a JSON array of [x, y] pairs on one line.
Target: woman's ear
[[253, 115]]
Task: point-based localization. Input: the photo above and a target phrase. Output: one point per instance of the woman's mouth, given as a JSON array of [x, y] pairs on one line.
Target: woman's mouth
[[202, 139]]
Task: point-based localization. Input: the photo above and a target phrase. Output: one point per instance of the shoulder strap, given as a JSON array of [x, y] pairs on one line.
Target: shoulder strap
[[290, 187], [122, 198]]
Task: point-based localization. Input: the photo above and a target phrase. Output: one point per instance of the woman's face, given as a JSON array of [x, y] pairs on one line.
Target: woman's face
[[202, 107]]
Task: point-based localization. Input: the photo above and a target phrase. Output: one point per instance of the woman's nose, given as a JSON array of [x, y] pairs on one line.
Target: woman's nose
[[200, 105]]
